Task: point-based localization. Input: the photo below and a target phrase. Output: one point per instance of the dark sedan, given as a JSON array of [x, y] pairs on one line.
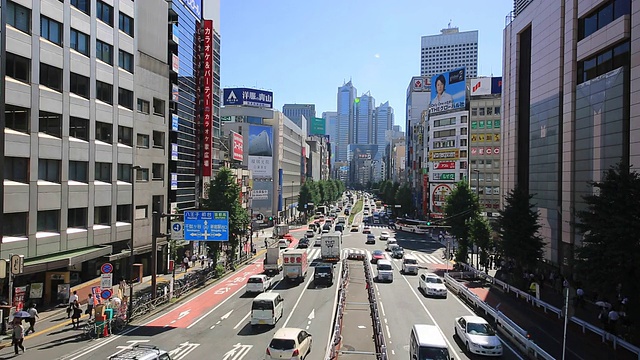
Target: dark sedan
[[303, 243]]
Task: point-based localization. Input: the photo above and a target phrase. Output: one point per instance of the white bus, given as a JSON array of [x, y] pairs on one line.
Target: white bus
[[412, 226]]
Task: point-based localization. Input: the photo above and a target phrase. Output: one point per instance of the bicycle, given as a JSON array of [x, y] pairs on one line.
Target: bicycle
[[117, 324], [90, 330]]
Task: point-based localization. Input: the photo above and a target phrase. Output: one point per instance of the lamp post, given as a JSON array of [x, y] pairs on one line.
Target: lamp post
[[133, 226]]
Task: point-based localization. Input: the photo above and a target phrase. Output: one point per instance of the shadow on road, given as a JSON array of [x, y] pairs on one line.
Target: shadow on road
[[249, 330]]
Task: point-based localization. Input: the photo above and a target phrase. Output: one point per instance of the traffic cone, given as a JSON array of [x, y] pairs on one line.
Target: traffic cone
[[105, 331]]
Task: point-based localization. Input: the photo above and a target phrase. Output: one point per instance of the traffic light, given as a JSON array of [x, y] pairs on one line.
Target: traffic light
[[270, 218], [428, 223]]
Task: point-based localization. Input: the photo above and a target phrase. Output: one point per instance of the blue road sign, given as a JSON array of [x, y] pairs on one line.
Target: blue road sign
[[105, 294], [106, 268], [177, 227], [206, 225]]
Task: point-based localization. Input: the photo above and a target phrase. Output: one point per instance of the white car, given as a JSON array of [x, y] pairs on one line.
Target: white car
[[258, 283], [310, 233], [477, 335], [289, 343], [318, 241], [391, 242], [432, 285], [384, 235]]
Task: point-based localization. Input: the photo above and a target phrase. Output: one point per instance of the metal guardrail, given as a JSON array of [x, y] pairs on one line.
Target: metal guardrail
[[332, 351], [381, 347], [585, 326]]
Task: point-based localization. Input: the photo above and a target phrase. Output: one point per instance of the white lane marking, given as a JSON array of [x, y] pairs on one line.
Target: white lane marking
[[241, 321], [215, 308], [293, 310], [382, 308], [388, 332], [333, 313], [393, 352]]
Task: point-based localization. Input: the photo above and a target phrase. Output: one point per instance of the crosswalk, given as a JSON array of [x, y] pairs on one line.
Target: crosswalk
[[422, 258]]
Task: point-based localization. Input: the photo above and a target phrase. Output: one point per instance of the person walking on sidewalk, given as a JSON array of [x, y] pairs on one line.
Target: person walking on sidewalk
[[33, 314], [77, 312], [91, 302], [72, 300], [17, 335]]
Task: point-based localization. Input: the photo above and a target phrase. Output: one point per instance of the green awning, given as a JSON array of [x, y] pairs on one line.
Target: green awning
[[64, 259]]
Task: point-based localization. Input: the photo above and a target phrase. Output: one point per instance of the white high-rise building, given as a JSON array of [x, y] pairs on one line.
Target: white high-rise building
[[346, 97], [449, 50]]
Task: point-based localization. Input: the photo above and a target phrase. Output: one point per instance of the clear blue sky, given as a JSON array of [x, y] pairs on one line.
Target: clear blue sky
[[303, 50]]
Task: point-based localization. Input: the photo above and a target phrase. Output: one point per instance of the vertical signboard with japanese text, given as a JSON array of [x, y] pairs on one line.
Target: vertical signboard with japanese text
[[237, 146], [207, 78], [261, 151]]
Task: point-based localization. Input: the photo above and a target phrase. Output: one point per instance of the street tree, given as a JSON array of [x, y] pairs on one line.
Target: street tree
[[518, 228], [610, 224], [461, 206], [404, 198], [305, 197], [223, 194], [480, 235]]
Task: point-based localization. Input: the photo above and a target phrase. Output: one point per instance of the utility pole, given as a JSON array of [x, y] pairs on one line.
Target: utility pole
[[155, 233]]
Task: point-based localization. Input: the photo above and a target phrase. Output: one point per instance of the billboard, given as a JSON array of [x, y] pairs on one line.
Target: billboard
[[318, 126], [248, 97], [262, 197], [362, 152], [195, 6], [207, 94], [444, 165], [444, 155], [448, 91], [237, 143], [261, 151], [280, 181], [496, 85], [481, 86]]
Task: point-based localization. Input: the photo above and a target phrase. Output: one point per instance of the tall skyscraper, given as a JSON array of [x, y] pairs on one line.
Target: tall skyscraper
[[363, 123], [331, 124], [383, 123], [448, 51], [346, 112], [295, 112]]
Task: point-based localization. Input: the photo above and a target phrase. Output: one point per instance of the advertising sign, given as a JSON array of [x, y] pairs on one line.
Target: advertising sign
[[448, 91], [175, 92], [174, 122], [318, 126], [206, 225], [238, 146], [481, 86], [174, 181], [175, 63], [280, 181], [262, 197], [444, 165], [261, 151], [444, 176], [439, 193], [444, 155], [207, 78], [362, 152], [425, 193], [174, 151], [496, 85], [419, 83], [194, 6], [174, 33], [247, 97]]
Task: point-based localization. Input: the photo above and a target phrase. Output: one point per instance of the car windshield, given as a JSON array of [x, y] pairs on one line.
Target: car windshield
[[384, 267], [377, 252], [282, 344], [398, 249], [428, 353], [434, 280], [480, 329], [254, 280]]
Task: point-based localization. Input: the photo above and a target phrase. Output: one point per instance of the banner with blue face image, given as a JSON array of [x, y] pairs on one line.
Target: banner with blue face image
[[448, 92]]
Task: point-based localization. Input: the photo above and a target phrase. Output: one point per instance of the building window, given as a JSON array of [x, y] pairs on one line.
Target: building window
[[490, 110], [143, 106], [18, 67], [51, 30], [16, 169], [142, 141], [125, 23], [104, 132], [124, 172], [49, 221], [15, 224], [158, 172], [49, 170], [103, 172], [142, 211], [158, 139], [481, 111], [158, 107], [104, 52], [78, 171], [463, 131], [603, 62], [80, 42], [125, 98], [602, 17], [474, 111], [142, 175], [19, 17], [125, 135], [50, 124], [125, 61], [496, 110], [157, 203], [79, 85], [102, 215], [123, 213], [51, 77], [82, 5], [77, 218], [104, 12], [104, 92], [79, 128], [17, 118]]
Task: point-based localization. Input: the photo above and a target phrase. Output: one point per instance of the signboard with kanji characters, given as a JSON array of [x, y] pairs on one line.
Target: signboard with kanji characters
[[207, 97], [261, 151], [206, 225]]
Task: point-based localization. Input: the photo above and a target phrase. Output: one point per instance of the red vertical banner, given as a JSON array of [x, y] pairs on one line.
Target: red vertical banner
[[207, 94], [425, 193]]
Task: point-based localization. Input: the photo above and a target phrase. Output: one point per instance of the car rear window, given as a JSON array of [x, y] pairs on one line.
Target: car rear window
[[323, 270], [384, 267], [410, 261], [282, 344], [262, 305], [254, 280]]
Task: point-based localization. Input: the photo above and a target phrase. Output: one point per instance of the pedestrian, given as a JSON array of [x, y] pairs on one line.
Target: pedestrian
[[72, 299], [17, 335], [580, 297], [266, 243], [91, 302], [613, 320], [77, 312], [185, 263], [33, 314]]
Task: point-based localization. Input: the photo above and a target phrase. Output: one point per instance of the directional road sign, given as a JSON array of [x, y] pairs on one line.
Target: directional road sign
[[177, 230], [206, 225]]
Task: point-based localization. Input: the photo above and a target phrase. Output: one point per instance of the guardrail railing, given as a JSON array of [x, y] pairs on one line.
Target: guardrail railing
[[378, 332], [332, 351]]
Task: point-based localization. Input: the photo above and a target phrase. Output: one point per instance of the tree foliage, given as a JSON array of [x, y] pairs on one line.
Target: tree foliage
[[461, 206], [610, 251], [518, 227], [319, 192], [223, 194], [480, 235], [404, 198]]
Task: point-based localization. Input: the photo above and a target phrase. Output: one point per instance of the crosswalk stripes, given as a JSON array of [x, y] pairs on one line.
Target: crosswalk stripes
[[422, 258]]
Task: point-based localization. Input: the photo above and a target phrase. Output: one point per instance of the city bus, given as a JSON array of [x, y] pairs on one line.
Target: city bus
[[412, 226]]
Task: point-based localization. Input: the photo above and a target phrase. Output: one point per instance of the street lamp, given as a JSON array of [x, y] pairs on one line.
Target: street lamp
[[133, 226]]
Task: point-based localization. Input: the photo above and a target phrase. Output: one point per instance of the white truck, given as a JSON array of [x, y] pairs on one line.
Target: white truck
[[272, 261], [296, 265], [331, 247], [280, 231]]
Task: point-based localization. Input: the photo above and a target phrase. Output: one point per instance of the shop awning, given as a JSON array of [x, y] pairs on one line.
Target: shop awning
[[64, 259]]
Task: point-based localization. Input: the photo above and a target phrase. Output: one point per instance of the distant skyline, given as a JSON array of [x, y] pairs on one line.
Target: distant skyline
[[304, 51]]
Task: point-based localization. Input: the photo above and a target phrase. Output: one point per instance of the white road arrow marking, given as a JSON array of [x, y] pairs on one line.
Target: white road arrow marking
[[131, 344], [226, 316], [183, 314], [183, 350], [238, 352], [312, 315]]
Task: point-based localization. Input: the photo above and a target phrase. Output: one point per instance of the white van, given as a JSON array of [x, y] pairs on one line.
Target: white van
[[426, 342], [391, 242], [385, 270], [267, 309], [258, 283], [409, 264]]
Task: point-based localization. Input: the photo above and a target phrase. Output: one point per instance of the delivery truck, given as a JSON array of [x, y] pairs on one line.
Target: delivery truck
[[280, 231], [295, 265], [272, 261], [331, 247]]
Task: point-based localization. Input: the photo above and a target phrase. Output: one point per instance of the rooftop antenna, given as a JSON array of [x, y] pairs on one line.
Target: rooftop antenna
[[450, 23]]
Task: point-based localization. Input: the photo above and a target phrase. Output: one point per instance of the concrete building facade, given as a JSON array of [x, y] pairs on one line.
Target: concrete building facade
[[449, 50], [295, 112]]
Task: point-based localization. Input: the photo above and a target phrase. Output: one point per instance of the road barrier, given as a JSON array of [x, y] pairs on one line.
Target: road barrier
[[332, 351], [378, 332], [509, 328]]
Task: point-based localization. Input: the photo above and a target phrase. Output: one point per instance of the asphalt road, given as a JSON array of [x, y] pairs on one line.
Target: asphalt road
[[401, 303]]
